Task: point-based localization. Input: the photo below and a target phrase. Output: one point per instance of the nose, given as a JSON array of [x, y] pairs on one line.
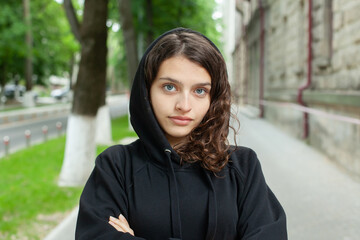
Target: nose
[[183, 103]]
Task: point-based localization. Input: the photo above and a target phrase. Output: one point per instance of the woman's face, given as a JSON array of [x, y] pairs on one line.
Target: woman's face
[[180, 97]]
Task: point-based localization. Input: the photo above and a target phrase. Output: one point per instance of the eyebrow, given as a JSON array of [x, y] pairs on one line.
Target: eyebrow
[[180, 83]]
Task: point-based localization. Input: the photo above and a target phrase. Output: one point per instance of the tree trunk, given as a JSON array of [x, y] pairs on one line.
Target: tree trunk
[[149, 18], [103, 126], [90, 86], [28, 42], [73, 21], [2, 84], [79, 151], [3, 75], [28, 98], [130, 40], [89, 94], [71, 70]]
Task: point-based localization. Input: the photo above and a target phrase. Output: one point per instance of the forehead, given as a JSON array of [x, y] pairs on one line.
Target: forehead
[[183, 70]]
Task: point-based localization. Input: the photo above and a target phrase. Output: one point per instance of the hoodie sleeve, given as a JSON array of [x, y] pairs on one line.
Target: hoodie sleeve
[[261, 214], [104, 195]]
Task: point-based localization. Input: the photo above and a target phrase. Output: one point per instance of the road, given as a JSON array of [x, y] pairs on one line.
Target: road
[[16, 131]]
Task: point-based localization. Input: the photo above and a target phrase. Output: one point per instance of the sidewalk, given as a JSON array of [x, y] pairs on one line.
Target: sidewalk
[[33, 113], [321, 202], [66, 229]]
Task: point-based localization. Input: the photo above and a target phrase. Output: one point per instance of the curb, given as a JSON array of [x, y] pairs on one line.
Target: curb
[[66, 229], [32, 113]]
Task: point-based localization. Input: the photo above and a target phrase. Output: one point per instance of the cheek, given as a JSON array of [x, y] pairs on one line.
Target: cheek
[[158, 103], [203, 108]]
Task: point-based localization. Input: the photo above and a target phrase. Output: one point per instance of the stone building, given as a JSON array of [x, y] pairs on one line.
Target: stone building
[[297, 63]]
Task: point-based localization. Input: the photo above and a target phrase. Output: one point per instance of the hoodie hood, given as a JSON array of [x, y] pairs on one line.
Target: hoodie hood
[[142, 116]]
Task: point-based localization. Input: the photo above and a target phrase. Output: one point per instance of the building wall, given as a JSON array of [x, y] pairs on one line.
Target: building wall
[[335, 74], [229, 20]]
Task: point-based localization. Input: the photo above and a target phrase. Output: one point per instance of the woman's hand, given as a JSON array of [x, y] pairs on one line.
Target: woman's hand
[[121, 224]]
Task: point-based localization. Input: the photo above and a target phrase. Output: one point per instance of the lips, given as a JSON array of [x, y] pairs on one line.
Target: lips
[[181, 120]]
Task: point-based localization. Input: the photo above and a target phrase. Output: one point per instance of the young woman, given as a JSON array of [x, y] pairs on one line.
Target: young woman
[[180, 180]]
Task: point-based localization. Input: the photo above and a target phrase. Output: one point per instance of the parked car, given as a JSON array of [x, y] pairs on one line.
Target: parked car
[[10, 89], [60, 93]]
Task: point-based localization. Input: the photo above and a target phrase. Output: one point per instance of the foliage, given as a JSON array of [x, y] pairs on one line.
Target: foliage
[[117, 60], [28, 183], [120, 128], [194, 14], [166, 15], [12, 43], [117, 65], [53, 43]]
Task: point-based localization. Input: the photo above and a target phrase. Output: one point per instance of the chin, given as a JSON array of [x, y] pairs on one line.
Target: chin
[[179, 134]]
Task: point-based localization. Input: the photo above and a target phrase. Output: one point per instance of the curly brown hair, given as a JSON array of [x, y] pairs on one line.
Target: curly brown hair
[[207, 143]]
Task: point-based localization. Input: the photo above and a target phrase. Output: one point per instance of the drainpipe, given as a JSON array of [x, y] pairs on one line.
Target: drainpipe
[[262, 56], [309, 75]]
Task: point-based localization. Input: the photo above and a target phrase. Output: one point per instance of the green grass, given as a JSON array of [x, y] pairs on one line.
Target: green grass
[[118, 129], [12, 108], [28, 183], [20, 107]]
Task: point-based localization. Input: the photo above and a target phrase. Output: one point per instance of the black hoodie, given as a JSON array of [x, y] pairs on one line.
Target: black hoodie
[[162, 199]]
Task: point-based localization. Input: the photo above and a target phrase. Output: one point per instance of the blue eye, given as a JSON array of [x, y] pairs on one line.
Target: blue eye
[[200, 91], [169, 87]]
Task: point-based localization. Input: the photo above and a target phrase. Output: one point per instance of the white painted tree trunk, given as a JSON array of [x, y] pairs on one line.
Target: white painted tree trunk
[[80, 149], [129, 121], [28, 99], [103, 126]]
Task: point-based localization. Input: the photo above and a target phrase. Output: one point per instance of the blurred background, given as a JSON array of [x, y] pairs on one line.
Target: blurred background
[[66, 69]]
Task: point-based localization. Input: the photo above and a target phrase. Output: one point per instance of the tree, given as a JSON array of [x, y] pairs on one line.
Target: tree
[[29, 100], [141, 21], [159, 16], [149, 20], [51, 49], [12, 47], [89, 91], [54, 45], [28, 43], [129, 33]]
